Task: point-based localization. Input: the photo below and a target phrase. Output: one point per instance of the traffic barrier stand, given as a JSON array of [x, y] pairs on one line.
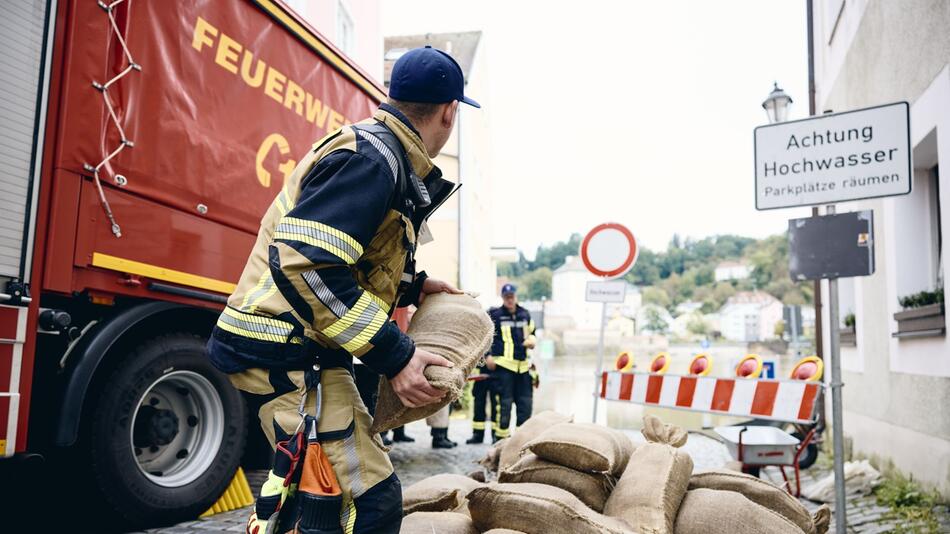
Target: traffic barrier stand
[[238, 495]]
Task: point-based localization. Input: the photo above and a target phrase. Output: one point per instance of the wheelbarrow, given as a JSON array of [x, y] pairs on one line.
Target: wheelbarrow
[[759, 446]]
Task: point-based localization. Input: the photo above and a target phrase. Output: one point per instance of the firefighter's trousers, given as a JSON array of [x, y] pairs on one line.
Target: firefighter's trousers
[[516, 389], [372, 495], [483, 400]]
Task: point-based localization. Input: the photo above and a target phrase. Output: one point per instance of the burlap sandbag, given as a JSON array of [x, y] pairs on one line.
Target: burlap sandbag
[[591, 488], [649, 493], [585, 447], [512, 448], [822, 519], [493, 456], [758, 491], [452, 326], [437, 522], [708, 511], [537, 509], [438, 493]]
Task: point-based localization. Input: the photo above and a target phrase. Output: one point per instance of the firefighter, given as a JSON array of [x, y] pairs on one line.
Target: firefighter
[[332, 261], [512, 375], [482, 395]]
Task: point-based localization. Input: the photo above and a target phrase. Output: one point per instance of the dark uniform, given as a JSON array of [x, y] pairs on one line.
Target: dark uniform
[[332, 261], [482, 395], [512, 379]]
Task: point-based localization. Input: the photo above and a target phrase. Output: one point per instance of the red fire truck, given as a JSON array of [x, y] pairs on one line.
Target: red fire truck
[[141, 142]]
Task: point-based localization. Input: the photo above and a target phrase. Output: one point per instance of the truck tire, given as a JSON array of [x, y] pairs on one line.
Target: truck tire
[[167, 432]]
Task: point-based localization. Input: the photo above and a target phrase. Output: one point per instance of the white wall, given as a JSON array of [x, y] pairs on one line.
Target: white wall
[[367, 49], [897, 391]]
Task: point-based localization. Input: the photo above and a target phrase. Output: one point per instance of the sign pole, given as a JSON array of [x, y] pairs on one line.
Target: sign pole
[[841, 520], [600, 360], [608, 251]]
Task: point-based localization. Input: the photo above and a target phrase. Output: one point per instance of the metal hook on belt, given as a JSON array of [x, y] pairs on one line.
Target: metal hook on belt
[[302, 407]]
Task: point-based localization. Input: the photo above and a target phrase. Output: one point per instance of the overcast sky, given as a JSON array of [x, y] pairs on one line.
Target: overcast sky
[[629, 111]]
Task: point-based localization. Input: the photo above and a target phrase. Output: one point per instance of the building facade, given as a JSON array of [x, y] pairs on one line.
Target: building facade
[[569, 297], [897, 387], [732, 270], [750, 316], [352, 25]]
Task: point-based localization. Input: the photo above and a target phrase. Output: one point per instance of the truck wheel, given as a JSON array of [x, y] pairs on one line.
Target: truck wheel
[[167, 434]]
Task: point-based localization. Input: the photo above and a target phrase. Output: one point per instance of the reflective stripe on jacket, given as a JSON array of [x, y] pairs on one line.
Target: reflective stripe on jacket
[[325, 273], [511, 331]]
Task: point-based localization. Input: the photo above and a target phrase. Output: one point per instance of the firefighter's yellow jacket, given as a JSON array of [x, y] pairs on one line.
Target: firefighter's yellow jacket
[[334, 255]]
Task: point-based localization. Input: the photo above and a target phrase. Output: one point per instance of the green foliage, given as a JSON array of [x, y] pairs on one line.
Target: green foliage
[[535, 284], [685, 271], [697, 325], [553, 257], [849, 320], [656, 296], [779, 329], [919, 300], [908, 503], [655, 321]]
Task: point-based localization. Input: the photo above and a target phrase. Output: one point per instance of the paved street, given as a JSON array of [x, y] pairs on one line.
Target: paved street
[[415, 461]]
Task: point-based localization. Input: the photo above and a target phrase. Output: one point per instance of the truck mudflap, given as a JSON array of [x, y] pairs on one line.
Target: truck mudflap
[[12, 337]]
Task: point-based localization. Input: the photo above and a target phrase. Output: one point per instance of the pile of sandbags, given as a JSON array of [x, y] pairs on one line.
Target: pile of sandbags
[[452, 326], [559, 476]]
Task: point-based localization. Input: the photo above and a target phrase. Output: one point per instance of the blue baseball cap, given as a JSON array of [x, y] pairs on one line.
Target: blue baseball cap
[[508, 289], [428, 75]]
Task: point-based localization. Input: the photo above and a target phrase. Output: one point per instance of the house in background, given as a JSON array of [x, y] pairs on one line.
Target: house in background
[[732, 270], [462, 252], [568, 297], [750, 316]]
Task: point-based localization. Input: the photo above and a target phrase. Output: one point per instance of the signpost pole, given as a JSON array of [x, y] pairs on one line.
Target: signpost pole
[[600, 359], [841, 520]]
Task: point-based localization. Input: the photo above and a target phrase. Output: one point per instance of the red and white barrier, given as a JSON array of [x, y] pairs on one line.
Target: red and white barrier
[[779, 400]]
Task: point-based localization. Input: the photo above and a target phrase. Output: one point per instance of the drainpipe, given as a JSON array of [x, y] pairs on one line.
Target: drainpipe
[[819, 334]]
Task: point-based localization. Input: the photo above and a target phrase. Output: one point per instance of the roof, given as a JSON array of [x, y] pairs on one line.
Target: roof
[[460, 45], [751, 297], [728, 264], [571, 264]]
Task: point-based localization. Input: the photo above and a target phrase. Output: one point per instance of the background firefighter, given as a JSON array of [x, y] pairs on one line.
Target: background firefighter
[[512, 376]]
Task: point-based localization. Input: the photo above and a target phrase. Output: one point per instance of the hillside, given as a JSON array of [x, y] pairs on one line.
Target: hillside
[[683, 272]]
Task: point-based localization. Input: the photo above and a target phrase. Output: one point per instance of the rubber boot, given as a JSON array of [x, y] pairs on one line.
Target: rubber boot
[[478, 436], [399, 435], [440, 439], [385, 437]]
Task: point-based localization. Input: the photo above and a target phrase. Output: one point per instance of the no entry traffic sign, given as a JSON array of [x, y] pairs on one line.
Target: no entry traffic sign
[[609, 250]]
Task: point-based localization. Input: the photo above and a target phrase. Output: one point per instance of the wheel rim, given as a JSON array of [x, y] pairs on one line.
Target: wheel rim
[[177, 428]]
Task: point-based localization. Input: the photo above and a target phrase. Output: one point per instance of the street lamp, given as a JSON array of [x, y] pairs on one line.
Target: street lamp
[[777, 104]]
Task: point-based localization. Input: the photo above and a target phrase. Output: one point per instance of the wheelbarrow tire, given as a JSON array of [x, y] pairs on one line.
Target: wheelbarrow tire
[[810, 455]]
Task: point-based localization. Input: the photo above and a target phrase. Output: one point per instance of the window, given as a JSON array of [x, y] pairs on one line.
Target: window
[[936, 225], [345, 31]]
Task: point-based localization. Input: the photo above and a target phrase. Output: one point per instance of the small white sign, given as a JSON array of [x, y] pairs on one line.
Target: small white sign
[[834, 158], [613, 291]]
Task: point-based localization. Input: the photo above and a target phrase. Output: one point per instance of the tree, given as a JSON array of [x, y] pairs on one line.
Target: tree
[[656, 296], [553, 257], [655, 321], [536, 284], [697, 325]]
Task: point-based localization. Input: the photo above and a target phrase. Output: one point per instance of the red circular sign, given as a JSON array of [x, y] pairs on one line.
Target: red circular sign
[[609, 250]]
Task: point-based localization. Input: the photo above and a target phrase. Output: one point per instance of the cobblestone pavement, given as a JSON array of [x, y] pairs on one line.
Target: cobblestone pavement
[[416, 461]]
